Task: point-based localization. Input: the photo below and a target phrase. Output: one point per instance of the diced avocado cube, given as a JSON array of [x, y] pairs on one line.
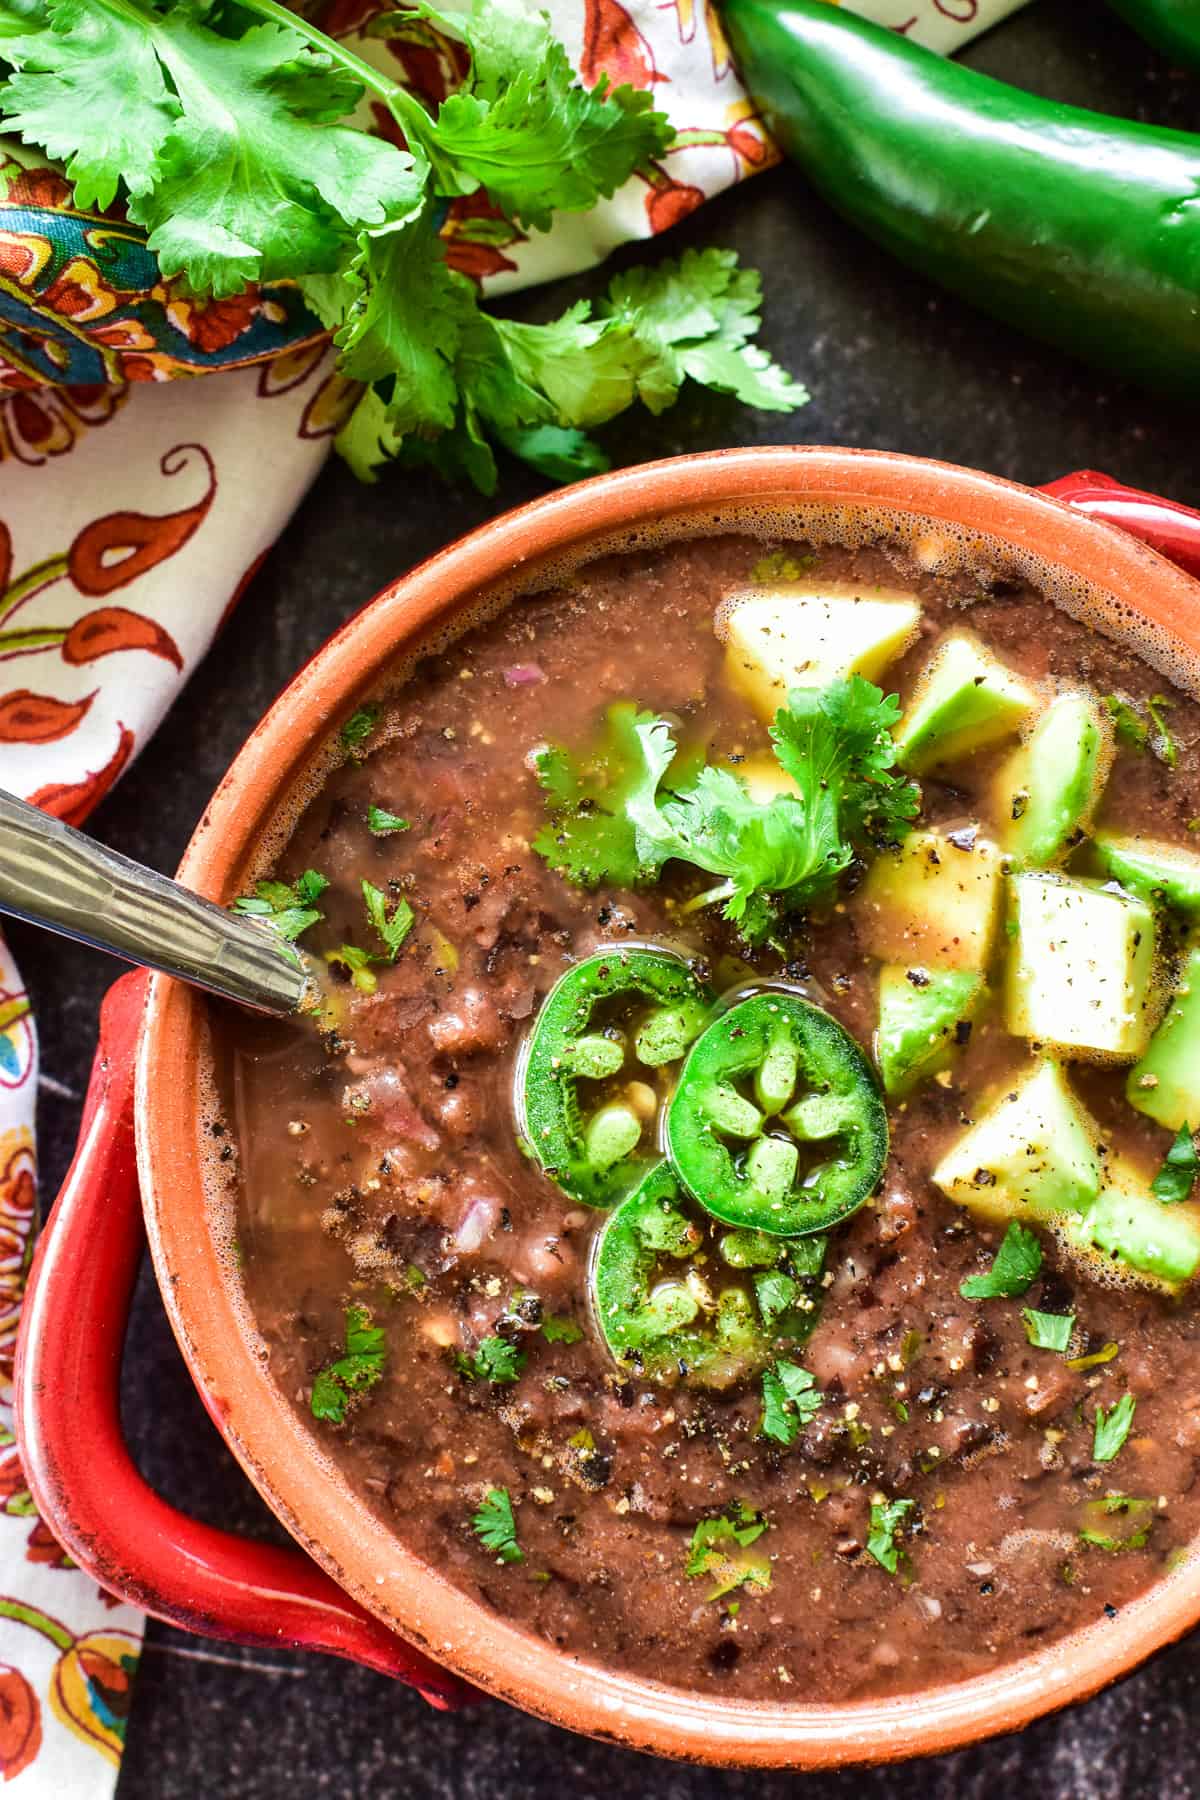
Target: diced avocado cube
[[1128, 1225], [791, 636], [1165, 1084], [1033, 1154], [1048, 790], [932, 903], [924, 1018], [965, 701], [1080, 968], [1152, 870]]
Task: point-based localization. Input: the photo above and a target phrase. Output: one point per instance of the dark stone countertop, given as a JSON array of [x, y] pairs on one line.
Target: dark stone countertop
[[892, 364]]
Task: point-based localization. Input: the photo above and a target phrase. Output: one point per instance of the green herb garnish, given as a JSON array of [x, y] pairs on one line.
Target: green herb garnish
[[1112, 1428], [227, 131], [1048, 1331], [1162, 743], [781, 565], [357, 964], [718, 1548], [791, 1400], [359, 726], [356, 1370], [614, 815], [1015, 1268], [1128, 723], [561, 1331], [1144, 730], [887, 1517], [288, 909], [392, 928], [496, 1528], [380, 822], [1177, 1177], [494, 1360]]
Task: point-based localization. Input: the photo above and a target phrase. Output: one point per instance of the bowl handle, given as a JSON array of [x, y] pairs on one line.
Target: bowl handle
[[78, 1466], [1171, 529]]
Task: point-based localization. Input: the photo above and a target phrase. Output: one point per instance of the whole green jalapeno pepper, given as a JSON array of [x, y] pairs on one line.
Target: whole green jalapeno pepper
[[586, 1101], [777, 1124], [668, 1300], [1081, 229], [1172, 26]]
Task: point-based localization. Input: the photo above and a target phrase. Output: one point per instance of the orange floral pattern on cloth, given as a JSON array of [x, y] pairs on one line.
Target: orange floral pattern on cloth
[[134, 511]]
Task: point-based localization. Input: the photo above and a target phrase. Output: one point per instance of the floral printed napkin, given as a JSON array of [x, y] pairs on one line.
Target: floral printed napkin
[[134, 509]]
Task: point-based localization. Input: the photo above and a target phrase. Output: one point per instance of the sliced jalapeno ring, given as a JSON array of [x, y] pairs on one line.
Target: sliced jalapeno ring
[[666, 1318], [750, 1162], [586, 1097]]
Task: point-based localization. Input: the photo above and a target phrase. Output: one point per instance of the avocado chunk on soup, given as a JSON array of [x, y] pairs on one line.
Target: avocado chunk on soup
[[716, 1217]]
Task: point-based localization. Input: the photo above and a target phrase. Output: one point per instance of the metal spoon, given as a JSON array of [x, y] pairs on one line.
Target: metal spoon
[[52, 875]]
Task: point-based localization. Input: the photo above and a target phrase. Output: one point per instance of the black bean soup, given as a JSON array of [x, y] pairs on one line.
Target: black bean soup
[[888, 1483]]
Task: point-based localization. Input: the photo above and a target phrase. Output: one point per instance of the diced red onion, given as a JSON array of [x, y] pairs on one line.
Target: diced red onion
[[524, 675]]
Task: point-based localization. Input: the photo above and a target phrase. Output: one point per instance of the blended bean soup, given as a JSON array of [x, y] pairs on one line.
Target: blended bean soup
[[733, 1211]]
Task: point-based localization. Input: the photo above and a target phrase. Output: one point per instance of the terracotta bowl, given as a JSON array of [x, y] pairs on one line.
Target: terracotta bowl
[[381, 1601]]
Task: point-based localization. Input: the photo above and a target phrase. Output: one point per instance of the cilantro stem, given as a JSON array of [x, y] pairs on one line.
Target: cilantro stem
[[709, 897], [373, 79]]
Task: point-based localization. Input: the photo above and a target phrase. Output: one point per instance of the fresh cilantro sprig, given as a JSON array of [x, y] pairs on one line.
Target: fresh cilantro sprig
[[289, 908], [887, 1518], [380, 822], [352, 1373], [1014, 1269], [1181, 1165], [494, 1360], [225, 131], [622, 812], [1112, 1428], [496, 1528], [791, 1400]]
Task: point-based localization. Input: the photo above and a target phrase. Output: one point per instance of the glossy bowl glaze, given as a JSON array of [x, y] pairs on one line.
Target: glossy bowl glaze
[[279, 1454]]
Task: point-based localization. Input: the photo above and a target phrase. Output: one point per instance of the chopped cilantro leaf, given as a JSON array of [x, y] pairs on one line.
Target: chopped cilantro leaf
[[1177, 1177], [718, 1549], [392, 927], [357, 963], [791, 1400], [887, 1517], [289, 909], [1014, 1269], [1048, 1331], [359, 726], [561, 1331], [1128, 723], [352, 1373], [1112, 1428], [496, 1528], [780, 565], [495, 1360], [1162, 743], [380, 821], [616, 815]]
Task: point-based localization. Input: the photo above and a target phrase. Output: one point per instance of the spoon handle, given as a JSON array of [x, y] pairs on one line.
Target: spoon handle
[[52, 875]]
